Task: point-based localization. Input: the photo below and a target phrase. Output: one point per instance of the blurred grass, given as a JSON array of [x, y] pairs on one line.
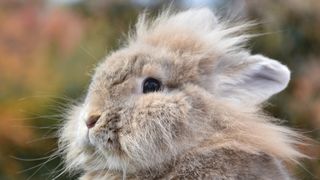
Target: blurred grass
[[47, 54]]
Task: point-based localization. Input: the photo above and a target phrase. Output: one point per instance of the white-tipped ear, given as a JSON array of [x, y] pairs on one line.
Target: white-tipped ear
[[253, 81]]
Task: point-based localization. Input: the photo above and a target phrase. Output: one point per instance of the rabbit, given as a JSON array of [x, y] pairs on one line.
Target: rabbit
[[181, 99]]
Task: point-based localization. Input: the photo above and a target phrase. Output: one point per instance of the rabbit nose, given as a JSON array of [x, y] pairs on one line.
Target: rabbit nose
[[92, 121]]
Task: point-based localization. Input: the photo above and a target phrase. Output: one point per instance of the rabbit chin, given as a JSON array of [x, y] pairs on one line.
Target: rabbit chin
[[98, 155]]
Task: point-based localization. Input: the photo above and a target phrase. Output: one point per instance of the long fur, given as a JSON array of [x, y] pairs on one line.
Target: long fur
[[186, 52]]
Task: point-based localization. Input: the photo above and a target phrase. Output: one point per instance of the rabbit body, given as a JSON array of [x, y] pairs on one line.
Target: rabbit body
[[180, 100], [219, 164]]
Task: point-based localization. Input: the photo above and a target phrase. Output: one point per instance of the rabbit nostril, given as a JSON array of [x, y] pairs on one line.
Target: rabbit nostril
[[92, 121]]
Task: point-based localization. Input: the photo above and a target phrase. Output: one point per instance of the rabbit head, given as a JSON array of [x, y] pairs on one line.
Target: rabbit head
[[179, 80]]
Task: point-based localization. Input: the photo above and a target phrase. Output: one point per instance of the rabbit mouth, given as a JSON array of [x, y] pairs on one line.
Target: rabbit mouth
[[107, 139], [105, 133]]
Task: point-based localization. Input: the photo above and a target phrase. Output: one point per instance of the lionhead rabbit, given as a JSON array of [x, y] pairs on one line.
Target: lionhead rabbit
[[180, 100]]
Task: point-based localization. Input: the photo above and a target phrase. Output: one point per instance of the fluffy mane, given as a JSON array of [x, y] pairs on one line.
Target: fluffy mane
[[196, 29]]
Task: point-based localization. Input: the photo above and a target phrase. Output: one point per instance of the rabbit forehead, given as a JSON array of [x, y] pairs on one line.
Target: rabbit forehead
[[146, 61]]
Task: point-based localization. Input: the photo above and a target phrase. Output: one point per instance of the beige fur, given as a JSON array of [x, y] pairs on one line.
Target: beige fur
[[204, 124]]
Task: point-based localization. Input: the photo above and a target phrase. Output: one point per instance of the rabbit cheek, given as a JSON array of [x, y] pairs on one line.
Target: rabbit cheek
[[157, 129]]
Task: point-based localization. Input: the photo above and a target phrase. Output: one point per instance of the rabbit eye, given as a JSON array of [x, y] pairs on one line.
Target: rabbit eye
[[151, 85]]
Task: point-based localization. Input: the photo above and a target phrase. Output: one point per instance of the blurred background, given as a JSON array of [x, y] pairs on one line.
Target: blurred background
[[48, 50]]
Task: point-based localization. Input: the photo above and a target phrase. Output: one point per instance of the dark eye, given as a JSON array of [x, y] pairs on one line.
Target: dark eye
[[151, 85]]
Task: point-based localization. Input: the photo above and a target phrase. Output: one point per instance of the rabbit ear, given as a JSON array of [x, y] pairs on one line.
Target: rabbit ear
[[253, 81]]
